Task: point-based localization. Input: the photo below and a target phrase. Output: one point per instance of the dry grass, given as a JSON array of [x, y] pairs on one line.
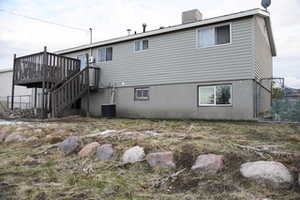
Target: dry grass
[[31, 171]]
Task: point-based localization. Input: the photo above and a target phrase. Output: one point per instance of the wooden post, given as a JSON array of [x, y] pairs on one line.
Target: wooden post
[[13, 83], [44, 82], [88, 85]]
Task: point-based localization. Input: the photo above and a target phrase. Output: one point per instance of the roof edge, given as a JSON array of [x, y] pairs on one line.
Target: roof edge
[[256, 11]]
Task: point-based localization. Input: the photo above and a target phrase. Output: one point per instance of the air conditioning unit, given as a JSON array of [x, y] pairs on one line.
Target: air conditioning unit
[[92, 59]]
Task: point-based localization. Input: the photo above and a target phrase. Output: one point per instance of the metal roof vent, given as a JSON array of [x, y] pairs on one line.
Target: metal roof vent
[[191, 16]]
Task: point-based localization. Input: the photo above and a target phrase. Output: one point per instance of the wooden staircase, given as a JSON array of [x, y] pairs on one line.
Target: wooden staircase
[[71, 90], [59, 78]]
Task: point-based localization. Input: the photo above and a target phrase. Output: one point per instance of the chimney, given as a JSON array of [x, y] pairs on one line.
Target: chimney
[[144, 27], [191, 16]]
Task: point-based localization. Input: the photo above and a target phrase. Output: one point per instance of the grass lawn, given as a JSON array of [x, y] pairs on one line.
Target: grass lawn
[[36, 171]]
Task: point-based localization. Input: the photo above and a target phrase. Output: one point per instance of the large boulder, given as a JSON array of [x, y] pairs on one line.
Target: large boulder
[[70, 145], [133, 155], [15, 137], [210, 163], [3, 135], [89, 150], [268, 172], [105, 152], [161, 160]]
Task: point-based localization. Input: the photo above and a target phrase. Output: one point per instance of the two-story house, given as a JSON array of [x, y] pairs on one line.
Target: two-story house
[[217, 68]]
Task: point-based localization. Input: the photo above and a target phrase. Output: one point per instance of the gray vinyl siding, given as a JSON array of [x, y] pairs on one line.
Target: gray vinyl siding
[[263, 55], [175, 58]]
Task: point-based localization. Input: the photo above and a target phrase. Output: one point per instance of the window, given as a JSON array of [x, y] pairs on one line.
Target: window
[[82, 59], [141, 93], [214, 36], [215, 95], [105, 54], [141, 45]]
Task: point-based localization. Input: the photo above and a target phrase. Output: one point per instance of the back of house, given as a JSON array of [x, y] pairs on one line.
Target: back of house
[[217, 68]]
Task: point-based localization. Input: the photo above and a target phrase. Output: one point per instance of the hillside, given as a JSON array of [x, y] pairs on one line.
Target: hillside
[[33, 167]]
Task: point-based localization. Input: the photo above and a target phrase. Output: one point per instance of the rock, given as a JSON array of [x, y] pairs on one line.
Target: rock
[[105, 152], [210, 163], [269, 172], [104, 133], [108, 132], [15, 137], [151, 133], [70, 145], [89, 150], [54, 138], [3, 135], [31, 139], [134, 154], [161, 160]]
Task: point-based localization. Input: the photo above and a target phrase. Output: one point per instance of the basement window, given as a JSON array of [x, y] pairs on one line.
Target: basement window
[[141, 94], [213, 36], [105, 54], [215, 95], [141, 45]]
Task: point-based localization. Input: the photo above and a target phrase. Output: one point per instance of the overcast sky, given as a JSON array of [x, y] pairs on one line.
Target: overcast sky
[[111, 19]]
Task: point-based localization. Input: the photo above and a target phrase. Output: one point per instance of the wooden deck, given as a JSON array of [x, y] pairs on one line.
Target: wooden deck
[[32, 70], [59, 77]]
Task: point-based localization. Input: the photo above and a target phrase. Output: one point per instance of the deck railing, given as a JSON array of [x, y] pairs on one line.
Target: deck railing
[[73, 89], [44, 66]]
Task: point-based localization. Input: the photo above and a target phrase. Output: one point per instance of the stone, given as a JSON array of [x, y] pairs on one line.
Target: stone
[[210, 163], [3, 135], [31, 139], [15, 137], [70, 145], [54, 138], [105, 152], [161, 160], [271, 173], [152, 133], [133, 155], [89, 150]]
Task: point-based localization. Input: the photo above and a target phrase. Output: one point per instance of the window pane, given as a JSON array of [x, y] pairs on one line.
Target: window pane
[[137, 45], [145, 44], [222, 34], [145, 93], [82, 59], [109, 52], [139, 93], [102, 55], [223, 94], [142, 93], [207, 95], [206, 37]]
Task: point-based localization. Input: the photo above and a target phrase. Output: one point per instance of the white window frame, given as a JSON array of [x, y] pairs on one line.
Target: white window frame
[[214, 28], [136, 98], [141, 45], [98, 57], [215, 95]]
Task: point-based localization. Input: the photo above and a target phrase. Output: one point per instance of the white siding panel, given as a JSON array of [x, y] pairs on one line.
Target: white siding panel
[[175, 58]]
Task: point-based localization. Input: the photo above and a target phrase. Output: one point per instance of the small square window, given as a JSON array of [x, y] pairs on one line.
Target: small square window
[[105, 54], [141, 93], [141, 45]]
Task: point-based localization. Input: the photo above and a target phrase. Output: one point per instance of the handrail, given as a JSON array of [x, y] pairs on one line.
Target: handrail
[[32, 68]]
